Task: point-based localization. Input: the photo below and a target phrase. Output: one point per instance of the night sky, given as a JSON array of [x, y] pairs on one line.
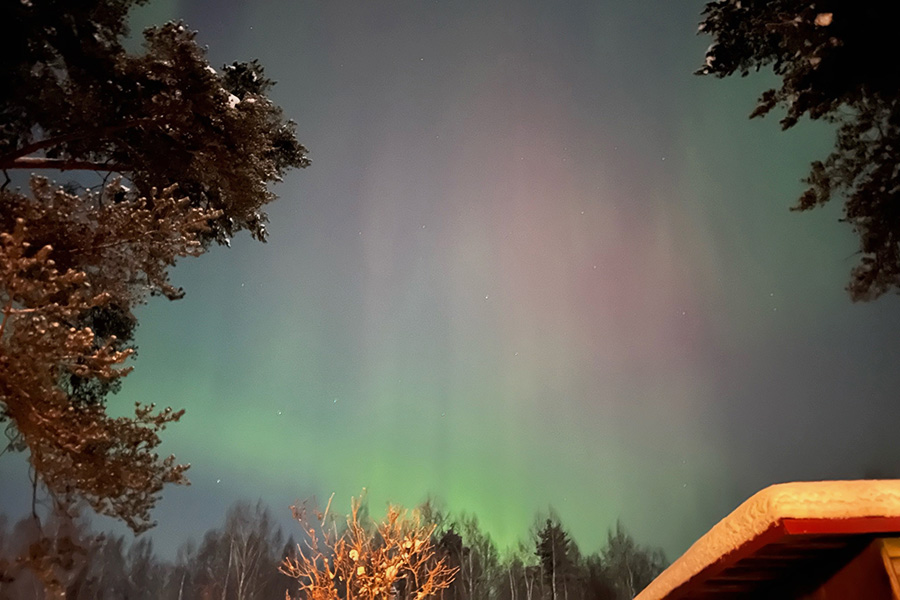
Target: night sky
[[536, 262]]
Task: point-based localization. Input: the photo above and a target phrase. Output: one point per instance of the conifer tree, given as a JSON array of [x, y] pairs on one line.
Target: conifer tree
[[186, 154], [835, 60], [554, 550]]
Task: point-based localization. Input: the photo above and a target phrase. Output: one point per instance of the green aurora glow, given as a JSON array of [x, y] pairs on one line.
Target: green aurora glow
[[535, 262]]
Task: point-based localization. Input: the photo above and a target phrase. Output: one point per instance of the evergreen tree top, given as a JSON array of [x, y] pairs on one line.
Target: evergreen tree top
[[74, 98]]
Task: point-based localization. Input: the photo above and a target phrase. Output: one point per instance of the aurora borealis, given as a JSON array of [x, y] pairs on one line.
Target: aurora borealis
[[535, 262]]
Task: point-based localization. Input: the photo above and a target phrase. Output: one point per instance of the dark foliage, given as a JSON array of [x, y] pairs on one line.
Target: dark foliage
[[554, 551], [73, 98], [836, 60], [187, 155], [64, 559], [240, 561]]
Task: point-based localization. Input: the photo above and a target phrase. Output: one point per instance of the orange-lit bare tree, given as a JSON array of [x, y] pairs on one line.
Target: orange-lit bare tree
[[393, 559]]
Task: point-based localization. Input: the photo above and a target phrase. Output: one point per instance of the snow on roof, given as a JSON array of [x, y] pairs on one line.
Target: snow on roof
[[800, 500]]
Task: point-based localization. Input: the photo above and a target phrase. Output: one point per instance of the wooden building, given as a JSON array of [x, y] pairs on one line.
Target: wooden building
[[824, 540]]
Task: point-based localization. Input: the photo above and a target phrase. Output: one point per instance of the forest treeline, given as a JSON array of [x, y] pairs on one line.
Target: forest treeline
[[240, 560]]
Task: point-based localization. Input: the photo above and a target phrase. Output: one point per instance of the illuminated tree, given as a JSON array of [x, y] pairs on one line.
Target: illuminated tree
[[52, 558], [74, 99], [393, 559], [835, 61], [49, 335], [186, 154]]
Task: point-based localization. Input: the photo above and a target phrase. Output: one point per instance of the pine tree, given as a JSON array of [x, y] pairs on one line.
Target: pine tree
[[186, 153], [554, 549]]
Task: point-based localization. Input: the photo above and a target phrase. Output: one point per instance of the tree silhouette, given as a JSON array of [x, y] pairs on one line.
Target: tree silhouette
[[186, 153], [554, 550], [404, 556], [834, 59], [629, 566]]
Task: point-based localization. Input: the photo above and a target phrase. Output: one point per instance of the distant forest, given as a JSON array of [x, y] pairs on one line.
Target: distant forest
[[240, 560]]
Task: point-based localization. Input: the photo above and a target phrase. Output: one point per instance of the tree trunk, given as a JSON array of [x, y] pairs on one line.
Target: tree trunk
[[553, 595]]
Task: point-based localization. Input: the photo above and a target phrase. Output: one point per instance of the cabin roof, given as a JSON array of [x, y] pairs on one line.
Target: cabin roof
[[808, 528]]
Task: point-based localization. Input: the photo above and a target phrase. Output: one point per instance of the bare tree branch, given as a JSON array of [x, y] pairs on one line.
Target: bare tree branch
[[63, 164], [56, 140]]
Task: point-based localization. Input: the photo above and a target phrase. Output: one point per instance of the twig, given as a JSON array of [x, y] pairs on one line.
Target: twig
[[327, 506]]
